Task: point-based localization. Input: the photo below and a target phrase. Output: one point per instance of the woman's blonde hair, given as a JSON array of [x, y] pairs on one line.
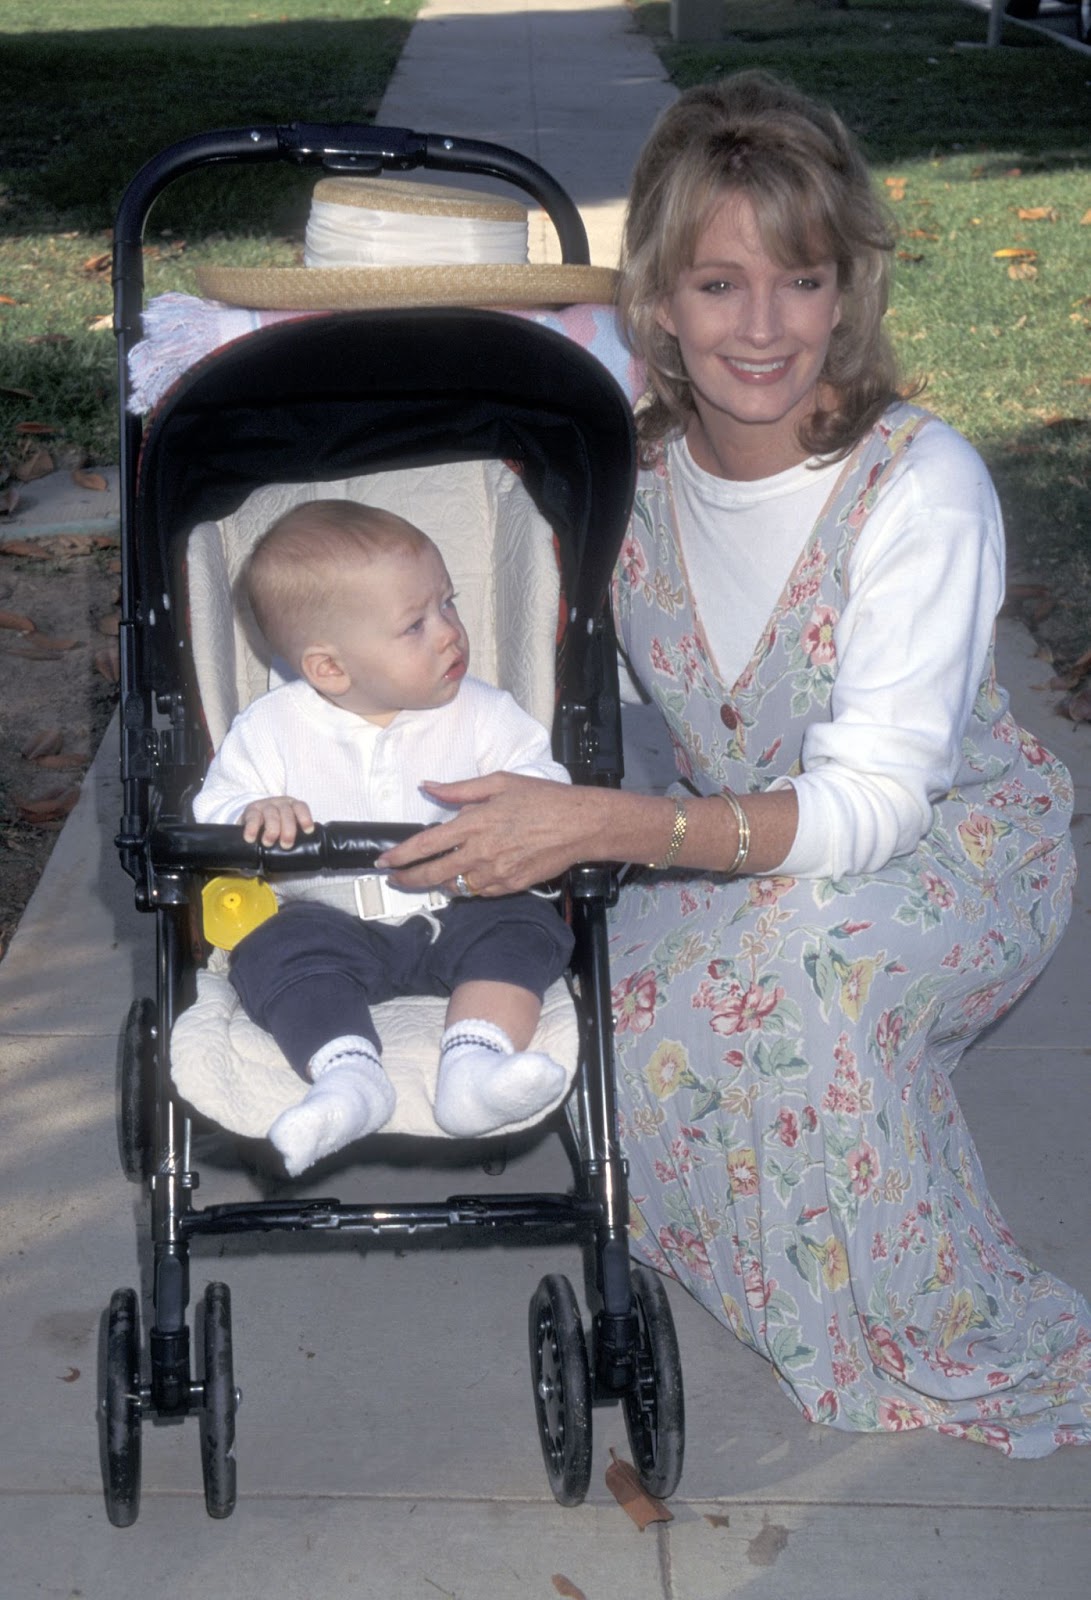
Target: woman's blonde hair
[[797, 164], [295, 575]]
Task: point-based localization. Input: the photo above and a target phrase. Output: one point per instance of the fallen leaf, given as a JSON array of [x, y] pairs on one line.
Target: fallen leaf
[[906, 255], [631, 1495], [1015, 255], [8, 300], [35, 427], [60, 645], [717, 1521], [39, 464], [33, 649], [59, 545], [1023, 270], [1066, 424], [921, 233], [88, 480], [65, 760], [1085, 220], [70, 1376], [51, 807], [566, 1587], [102, 324], [108, 665], [101, 263], [1037, 214], [16, 622], [1077, 707], [46, 742]]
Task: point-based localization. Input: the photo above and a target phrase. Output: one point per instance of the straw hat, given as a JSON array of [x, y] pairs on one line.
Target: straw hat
[[388, 243]]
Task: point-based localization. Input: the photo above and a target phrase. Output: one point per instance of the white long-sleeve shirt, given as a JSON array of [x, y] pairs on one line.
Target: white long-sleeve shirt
[[925, 583], [293, 742]]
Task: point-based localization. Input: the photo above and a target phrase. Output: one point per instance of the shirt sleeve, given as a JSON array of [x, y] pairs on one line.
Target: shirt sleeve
[[246, 767], [507, 739], [926, 581]]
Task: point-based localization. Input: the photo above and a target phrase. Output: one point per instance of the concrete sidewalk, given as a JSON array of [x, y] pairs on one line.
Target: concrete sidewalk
[[386, 1442]]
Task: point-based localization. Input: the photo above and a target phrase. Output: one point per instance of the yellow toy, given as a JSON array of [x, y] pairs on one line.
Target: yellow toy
[[232, 907]]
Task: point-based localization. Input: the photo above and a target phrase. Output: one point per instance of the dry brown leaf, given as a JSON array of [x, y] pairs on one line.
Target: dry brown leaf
[[1077, 707], [70, 1376], [101, 263], [59, 545], [1015, 255], [88, 480], [8, 300], [921, 233], [39, 464], [16, 622], [1023, 270], [35, 427], [31, 648], [1085, 220], [109, 624], [631, 1495], [104, 323], [49, 643], [566, 1587], [64, 760], [717, 1519], [51, 807], [1037, 214], [907, 255], [46, 742], [108, 664]]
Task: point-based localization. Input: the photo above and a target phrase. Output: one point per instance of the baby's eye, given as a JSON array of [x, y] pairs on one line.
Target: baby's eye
[[415, 627], [449, 603]]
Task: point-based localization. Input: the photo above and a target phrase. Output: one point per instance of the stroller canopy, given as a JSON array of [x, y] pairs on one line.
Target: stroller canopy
[[325, 398]]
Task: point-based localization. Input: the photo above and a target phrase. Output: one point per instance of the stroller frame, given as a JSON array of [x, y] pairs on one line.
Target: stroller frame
[[633, 1357]]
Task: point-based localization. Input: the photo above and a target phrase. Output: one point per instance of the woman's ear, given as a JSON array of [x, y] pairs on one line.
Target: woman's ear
[[322, 668], [664, 318]]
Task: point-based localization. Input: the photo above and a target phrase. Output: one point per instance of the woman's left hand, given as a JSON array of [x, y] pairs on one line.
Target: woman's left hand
[[509, 833]]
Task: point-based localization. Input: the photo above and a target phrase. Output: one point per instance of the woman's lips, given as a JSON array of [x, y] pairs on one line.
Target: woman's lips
[[758, 371]]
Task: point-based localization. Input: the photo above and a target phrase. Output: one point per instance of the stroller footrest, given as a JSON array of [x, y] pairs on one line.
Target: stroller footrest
[[331, 1216]]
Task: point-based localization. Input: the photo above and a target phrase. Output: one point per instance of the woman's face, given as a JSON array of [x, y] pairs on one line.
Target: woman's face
[[753, 336]]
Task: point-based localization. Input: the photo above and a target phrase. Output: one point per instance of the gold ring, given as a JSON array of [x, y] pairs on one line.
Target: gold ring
[[462, 886]]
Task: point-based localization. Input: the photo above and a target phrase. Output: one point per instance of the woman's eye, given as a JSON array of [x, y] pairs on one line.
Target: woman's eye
[[715, 286]]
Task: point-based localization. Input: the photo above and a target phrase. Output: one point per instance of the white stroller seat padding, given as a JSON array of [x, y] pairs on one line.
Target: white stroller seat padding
[[232, 1072], [500, 554]]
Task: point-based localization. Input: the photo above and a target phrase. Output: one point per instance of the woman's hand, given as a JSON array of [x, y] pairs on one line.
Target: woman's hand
[[509, 832], [278, 819]]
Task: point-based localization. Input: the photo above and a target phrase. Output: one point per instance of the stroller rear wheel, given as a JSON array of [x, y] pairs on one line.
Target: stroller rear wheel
[[220, 1404], [562, 1388], [654, 1407], [136, 1131], [122, 1406]]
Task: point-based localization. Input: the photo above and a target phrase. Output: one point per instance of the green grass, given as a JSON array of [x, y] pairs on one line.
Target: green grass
[[96, 87], [977, 136]]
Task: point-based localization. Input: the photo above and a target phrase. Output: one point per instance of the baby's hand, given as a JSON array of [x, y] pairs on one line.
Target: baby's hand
[[277, 819]]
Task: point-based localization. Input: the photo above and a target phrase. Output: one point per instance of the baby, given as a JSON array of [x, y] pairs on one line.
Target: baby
[[360, 605]]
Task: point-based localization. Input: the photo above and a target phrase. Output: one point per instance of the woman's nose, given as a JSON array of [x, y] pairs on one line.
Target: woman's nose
[[760, 321]]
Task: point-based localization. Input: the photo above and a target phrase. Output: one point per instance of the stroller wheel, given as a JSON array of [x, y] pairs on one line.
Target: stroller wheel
[[655, 1415], [220, 1404], [121, 1407], [562, 1388], [136, 1130]]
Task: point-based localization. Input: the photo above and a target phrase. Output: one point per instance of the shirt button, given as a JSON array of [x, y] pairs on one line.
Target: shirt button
[[729, 717]]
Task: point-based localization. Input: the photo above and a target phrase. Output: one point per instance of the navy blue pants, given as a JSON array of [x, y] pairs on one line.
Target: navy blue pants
[[312, 973]]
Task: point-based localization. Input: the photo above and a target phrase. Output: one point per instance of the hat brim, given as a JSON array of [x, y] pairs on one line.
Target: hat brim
[[368, 288]]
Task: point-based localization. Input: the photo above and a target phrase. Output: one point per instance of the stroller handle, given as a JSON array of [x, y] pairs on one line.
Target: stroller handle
[[213, 847], [337, 147]]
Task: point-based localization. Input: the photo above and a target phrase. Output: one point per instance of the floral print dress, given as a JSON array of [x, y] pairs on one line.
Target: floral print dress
[[798, 1160]]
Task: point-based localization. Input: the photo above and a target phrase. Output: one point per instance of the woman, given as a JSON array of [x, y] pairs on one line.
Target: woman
[[867, 861]]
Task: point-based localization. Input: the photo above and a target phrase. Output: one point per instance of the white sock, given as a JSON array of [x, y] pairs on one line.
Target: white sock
[[484, 1084], [352, 1096]]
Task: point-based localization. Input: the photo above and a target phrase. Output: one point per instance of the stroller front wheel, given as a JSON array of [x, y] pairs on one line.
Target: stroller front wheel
[[122, 1407], [562, 1388], [220, 1404], [654, 1406]]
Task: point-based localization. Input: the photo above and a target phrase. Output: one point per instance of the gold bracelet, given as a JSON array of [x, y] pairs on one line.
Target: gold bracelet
[[742, 823], [678, 833]]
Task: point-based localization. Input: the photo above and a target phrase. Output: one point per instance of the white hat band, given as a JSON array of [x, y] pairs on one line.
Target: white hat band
[[355, 236]]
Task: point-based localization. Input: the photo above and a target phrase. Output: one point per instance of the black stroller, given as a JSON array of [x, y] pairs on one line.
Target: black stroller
[[323, 401]]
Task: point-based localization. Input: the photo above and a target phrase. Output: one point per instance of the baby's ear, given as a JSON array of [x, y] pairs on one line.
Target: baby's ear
[[323, 670]]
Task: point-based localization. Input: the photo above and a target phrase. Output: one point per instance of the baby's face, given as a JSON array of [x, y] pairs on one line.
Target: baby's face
[[399, 637]]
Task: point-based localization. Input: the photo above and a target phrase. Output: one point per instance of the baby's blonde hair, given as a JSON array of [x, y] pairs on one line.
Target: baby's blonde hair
[[295, 572]]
